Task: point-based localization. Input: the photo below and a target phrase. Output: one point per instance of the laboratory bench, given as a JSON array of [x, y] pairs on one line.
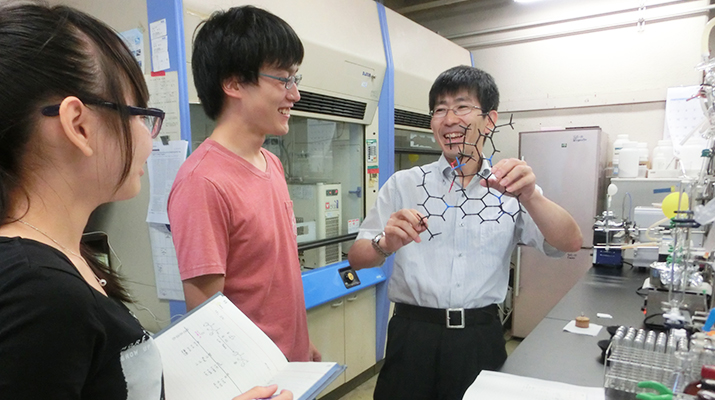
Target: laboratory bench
[[551, 353], [342, 323]]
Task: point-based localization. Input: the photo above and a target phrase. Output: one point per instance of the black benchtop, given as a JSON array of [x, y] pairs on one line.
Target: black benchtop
[[550, 353]]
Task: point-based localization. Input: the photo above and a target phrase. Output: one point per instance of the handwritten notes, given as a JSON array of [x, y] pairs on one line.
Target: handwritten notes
[[216, 352]]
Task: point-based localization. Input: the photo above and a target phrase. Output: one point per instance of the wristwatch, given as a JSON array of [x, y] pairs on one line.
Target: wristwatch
[[376, 245]]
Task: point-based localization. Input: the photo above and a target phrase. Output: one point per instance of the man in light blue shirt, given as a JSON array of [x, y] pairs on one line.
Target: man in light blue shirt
[[453, 233]]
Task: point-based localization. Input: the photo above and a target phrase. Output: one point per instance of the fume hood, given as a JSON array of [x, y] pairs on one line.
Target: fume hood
[[419, 56]]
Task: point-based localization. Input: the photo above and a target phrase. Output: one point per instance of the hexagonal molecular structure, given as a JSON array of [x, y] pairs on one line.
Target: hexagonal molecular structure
[[490, 207]]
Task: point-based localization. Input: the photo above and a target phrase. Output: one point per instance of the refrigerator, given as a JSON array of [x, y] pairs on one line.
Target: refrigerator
[[569, 166]]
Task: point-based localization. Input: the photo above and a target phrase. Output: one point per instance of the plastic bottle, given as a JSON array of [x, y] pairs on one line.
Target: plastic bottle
[[660, 342], [628, 160], [672, 342], [639, 341], [642, 159], [618, 336], [662, 156], [650, 341], [682, 344], [627, 340], [617, 145]]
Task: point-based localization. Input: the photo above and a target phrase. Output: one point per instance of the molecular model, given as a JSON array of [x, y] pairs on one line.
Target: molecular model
[[488, 207]]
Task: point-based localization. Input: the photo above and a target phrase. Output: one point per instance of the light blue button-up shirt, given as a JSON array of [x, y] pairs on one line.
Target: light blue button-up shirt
[[467, 263]]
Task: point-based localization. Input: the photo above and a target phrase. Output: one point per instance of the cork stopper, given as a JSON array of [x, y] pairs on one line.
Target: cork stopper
[[582, 321]]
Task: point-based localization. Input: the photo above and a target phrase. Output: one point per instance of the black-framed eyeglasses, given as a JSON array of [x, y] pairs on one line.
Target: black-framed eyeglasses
[[460, 110], [289, 81], [151, 117]]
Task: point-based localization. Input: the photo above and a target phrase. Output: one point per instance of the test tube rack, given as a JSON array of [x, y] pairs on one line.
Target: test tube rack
[[626, 366]]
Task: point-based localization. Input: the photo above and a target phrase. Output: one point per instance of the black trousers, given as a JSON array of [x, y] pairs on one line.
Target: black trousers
[[428, 361]]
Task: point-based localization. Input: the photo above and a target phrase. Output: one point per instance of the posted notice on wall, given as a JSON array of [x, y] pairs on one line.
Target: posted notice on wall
[[684, 117], [163, 165], [166, 266], [164, 95], [159, 46], [135, 41]]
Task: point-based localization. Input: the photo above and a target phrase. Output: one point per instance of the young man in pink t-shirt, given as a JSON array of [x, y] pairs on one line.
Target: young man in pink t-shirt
[[231, 216]]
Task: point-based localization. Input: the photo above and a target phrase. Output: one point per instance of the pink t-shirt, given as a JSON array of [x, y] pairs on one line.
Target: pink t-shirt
[[227, 217]]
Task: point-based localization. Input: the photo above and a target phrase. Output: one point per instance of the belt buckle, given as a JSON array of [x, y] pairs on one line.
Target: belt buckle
[[453, 313]]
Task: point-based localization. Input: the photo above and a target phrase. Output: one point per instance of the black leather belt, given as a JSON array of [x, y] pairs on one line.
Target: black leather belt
[[453, 318]]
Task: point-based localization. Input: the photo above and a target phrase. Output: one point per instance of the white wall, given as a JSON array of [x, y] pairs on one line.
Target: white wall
[[599, 70], [415, 67]]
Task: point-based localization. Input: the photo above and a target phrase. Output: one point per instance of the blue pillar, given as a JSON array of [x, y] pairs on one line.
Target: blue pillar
[[173, 12], [386, 163]]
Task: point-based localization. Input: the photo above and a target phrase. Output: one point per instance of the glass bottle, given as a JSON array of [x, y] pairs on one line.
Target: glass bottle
[[706, 381]]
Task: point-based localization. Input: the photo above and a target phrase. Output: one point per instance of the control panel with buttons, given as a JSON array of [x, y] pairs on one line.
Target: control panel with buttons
[[349, 277]]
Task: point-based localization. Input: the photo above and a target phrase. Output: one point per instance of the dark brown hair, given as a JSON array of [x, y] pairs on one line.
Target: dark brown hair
[[49, 53]]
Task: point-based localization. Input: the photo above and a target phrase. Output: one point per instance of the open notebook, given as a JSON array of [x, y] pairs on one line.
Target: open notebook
[[216, 353]]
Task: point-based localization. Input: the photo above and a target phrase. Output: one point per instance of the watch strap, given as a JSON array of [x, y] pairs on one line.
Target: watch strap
[[376, 245]]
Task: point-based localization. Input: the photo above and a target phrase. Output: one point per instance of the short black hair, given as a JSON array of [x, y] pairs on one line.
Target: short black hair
[[236, 43], [460, 78]]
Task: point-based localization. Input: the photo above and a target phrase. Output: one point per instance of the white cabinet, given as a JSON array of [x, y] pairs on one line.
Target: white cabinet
[[543, 282], [343, 330], [326, 328], [359, 332]]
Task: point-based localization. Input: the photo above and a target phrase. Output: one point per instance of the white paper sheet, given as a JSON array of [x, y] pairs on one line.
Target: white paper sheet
[[166, 267], [158, 28], [164, 92], [498, 385], [683, 116], [216, 353], [592, 329], [159, 46], [163, 165]]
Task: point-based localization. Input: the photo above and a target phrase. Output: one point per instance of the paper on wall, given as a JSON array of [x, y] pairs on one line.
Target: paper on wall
[[683, 117], [135, 41], [164, 95], [166, 267], [163, 165], [159, 46]]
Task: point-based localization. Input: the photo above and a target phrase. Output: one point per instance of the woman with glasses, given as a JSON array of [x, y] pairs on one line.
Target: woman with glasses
[[75, 132]]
